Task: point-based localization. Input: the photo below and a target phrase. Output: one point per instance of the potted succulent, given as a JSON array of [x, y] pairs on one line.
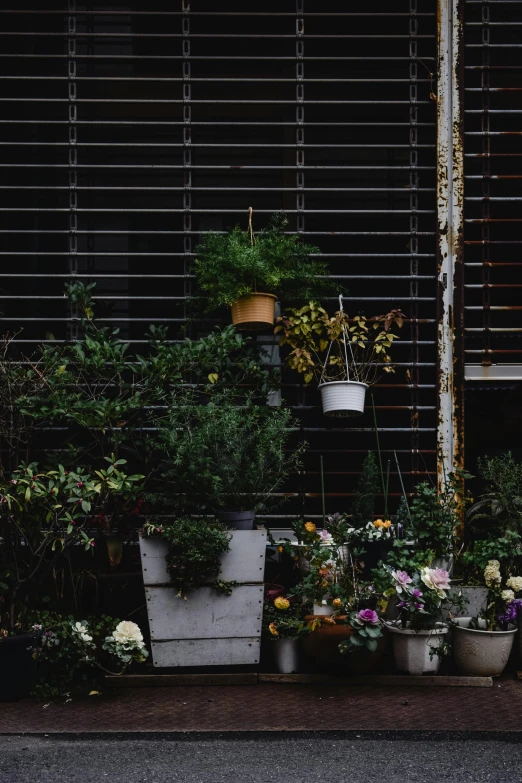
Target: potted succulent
[[283, 628], [482, 645], [418, 634], [44, 514], [228, 457], [345, 355], [248, 273]]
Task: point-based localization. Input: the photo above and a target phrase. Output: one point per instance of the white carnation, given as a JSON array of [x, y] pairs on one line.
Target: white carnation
[[515, 582], [492, 573]]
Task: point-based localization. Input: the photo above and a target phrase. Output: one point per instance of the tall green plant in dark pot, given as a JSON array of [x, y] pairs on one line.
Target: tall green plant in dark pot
[[229, 457]]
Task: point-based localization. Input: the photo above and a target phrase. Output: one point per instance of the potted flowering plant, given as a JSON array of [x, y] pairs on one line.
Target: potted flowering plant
[[283, 627], [345, 355], [69, 653], [418, 634], [482, 645]]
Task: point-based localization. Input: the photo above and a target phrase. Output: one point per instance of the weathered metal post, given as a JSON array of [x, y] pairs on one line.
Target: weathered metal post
[[450, 202]]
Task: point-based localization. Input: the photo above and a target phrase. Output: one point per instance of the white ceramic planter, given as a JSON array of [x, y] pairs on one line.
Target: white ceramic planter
[[322, 609], [209, 628], [343, 398], [411, 649], [481, 653], [286, 655]]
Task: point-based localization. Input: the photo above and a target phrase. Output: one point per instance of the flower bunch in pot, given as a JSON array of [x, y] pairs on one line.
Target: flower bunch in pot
[[249, 272], [344, 355], [227, 457], [283, 628], [418, 633], [343, 616], [482, 644]]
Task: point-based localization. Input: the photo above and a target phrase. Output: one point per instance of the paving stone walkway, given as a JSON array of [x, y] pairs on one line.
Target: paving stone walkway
[[274, 707]]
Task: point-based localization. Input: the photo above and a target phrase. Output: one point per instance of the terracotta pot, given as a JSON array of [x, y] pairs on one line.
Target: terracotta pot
[[254, 311], [323, 646]]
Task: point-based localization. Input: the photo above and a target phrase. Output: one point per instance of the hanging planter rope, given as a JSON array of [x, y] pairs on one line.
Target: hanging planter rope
[[254, 311], [342, 397]]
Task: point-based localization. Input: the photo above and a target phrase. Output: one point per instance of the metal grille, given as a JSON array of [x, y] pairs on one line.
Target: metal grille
[[493, 270], [128, 131]]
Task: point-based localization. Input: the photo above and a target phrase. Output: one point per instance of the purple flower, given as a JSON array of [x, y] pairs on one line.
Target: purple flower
[[511, 613], [419, 606], [402, 579], [368, 616], [416, 593]]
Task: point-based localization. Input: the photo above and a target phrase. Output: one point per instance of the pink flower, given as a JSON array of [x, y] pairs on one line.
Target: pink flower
[[368, 616], [436, 579], [401, 580]]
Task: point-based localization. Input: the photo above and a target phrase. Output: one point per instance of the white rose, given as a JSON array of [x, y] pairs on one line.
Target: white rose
[[126, 632], [515, 582]]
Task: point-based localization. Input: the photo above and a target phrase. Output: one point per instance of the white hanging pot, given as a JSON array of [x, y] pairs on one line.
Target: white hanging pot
[[343, 398]]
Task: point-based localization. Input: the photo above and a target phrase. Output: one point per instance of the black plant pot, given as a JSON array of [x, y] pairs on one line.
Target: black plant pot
[[17, 666], [237, 520], [376, 551]]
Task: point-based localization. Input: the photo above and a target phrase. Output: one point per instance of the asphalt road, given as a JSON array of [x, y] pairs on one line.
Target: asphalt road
[[261, 759]]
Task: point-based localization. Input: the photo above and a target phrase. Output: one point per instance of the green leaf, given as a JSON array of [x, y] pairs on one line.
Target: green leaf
[[371, 644]]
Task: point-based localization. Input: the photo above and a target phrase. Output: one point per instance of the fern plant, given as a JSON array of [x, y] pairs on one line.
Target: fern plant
[[229, 266]]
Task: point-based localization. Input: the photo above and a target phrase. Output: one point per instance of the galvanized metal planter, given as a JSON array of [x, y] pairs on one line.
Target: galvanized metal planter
[[209, 628]]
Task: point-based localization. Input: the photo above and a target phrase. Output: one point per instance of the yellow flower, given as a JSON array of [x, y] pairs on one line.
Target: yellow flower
[[310, 527], [279, 548], [378, 523], [337, 602], [328, 620], [273, 630], [282, 603], [387, 524]]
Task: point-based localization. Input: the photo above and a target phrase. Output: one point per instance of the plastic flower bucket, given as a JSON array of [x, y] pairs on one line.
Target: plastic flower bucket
[[343, 398]]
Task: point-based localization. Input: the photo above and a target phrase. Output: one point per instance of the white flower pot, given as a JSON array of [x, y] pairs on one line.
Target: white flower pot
[[322, 609], [286, 655], [343, 398], [411, 649], [481, 653]]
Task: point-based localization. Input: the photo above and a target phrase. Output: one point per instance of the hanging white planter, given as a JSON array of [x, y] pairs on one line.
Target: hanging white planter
[[343, 398]]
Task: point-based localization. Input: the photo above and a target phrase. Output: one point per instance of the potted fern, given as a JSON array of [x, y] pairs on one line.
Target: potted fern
[[248, 273], [345, 355]]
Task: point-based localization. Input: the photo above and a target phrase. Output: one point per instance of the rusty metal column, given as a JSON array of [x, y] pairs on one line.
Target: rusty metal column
[[450, 198]]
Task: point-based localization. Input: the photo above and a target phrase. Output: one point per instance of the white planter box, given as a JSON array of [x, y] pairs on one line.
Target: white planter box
[[209, 628]]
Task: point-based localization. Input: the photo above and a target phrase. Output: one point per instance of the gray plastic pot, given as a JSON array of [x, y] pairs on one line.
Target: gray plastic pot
[[237, 520], [481, 653], [411, 649], [286, 654]]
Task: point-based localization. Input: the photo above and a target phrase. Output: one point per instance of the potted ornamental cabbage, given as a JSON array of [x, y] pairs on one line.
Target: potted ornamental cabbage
[[418, 633], [482, 645], [344, 355], [248, 273]]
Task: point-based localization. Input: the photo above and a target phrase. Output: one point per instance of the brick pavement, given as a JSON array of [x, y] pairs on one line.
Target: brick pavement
[[274, 707]]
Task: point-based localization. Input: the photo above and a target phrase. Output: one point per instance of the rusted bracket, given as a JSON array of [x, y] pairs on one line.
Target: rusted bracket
[[450, 203]]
